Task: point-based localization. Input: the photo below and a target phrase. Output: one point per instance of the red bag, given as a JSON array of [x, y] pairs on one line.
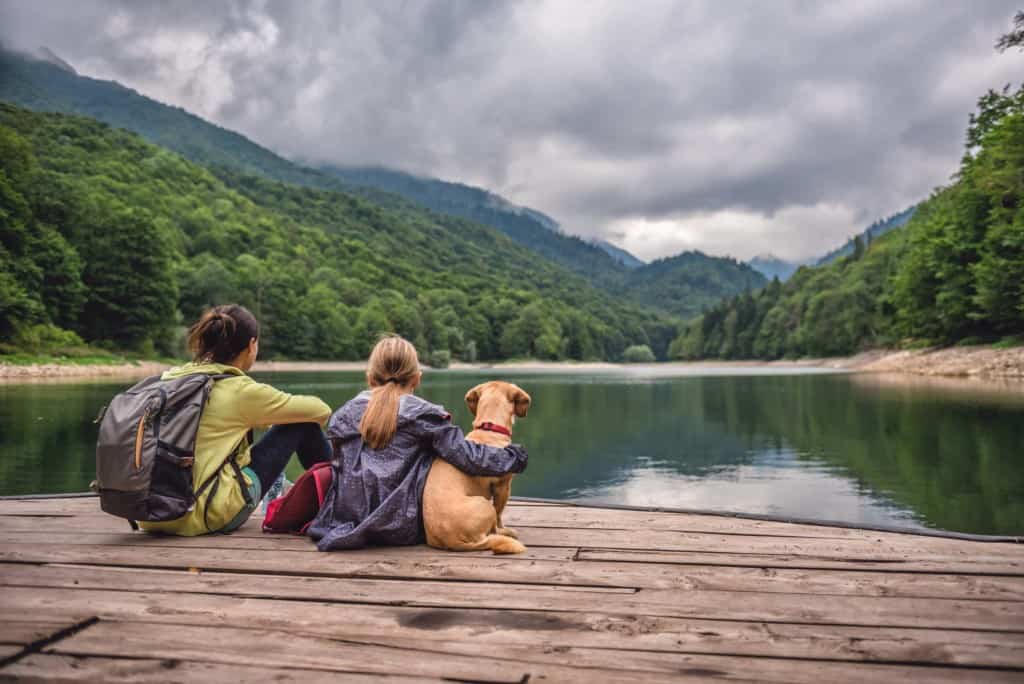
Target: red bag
[[293, 512]]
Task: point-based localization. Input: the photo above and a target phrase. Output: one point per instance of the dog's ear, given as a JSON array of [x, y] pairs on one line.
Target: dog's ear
[[521, 400], [473, 397]]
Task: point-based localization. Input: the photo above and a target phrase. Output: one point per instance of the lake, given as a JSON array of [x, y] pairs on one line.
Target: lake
[[856, 448]]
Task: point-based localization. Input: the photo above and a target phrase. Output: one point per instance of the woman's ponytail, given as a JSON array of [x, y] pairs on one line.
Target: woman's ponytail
[[393, 368]]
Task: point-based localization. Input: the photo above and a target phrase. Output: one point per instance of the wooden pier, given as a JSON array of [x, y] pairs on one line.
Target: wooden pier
[[601, 596]]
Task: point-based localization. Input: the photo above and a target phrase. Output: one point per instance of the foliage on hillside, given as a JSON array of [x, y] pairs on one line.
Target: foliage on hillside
[[869, 235], [44, 86], [682, 285], [955, 272], [688, 282], [528, 228], [120, 242]]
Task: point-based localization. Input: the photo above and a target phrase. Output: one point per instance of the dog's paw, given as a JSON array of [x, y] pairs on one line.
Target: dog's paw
[[508, 532]]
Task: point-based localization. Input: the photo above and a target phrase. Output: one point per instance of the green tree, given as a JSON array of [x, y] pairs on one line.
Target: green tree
[[638, 353], [129, 272]]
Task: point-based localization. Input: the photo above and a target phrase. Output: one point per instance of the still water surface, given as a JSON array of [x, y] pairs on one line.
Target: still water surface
[[861, 449]]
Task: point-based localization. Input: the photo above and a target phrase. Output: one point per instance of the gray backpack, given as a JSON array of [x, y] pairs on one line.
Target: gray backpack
[[146, 449]]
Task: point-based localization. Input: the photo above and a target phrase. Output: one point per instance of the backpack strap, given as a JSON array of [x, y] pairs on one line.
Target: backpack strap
[[214, 478]]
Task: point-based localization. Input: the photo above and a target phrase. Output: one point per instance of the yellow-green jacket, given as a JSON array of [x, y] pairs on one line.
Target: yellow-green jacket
[[235, 406]]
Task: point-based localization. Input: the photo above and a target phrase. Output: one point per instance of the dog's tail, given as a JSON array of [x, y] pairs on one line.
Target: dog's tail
[[499, 543]]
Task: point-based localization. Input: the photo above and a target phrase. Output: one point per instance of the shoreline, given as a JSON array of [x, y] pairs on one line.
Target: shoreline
[[952, 362]]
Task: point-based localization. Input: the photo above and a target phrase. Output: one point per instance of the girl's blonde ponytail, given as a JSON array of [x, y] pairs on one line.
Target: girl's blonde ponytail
[[393, 369]]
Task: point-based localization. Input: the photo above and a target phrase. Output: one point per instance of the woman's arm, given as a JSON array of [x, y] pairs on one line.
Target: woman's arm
[[260, 404], [448, 441]]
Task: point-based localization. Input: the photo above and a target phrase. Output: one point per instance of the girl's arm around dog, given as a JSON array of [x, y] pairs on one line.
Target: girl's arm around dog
[[449, 442]]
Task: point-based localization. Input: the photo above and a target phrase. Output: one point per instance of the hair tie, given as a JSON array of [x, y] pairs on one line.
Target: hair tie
[[391, 379]]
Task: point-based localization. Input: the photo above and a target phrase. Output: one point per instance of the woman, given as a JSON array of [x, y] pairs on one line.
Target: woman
[[384, 441], [225, 341]]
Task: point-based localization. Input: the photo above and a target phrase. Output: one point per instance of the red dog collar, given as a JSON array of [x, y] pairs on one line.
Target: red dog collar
[[493, 427]]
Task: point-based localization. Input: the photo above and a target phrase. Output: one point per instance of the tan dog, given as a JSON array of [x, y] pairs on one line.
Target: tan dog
[[463, 512]]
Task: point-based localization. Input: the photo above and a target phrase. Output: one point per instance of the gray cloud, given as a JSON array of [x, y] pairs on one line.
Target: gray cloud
[[737, 128]]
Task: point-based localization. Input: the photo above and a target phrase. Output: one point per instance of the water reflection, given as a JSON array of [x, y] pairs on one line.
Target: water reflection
[[830, 446]]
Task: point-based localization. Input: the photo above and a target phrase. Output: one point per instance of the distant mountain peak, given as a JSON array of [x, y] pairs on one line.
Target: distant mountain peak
[[619, 254], [45, 54], [772, 266]]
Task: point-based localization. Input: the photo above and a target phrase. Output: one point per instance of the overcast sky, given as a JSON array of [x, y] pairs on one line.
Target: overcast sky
[[731, 127]]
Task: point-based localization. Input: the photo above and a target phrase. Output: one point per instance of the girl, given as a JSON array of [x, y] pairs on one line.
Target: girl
[[384, 441], [225, 341]]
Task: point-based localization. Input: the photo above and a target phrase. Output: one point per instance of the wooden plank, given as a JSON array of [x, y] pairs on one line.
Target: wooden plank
[[556, 516], [645, 626], [276, 543], [600, 621], [63, 668], [21, 632], [908, 564], [464, 660], [865, 547], [909, 561], [29, 529], [857, 546], [604, 518], [50, 507], [283, 649], [868, 547], [770, 669], [551, 536], [397, 589], [559, 517], [545, 568], [523, 513], [7, 650], [525, 568], [546, 515]]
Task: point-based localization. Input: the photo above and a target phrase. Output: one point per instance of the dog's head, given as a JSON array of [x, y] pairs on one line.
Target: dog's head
[[497, 399]]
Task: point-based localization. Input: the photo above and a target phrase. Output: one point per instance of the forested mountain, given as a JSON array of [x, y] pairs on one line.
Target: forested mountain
[[689, 282], [44, 85], [681, 285], [109, 238], [954, 273], [526, 226], [770, 266], [871, 233]]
